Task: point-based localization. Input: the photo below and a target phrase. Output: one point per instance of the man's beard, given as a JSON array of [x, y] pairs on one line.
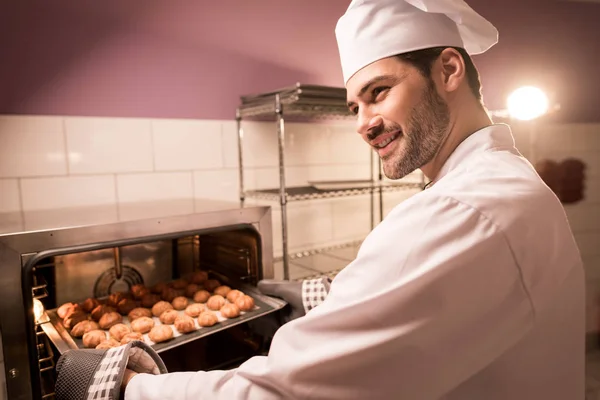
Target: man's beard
[[426, 128]]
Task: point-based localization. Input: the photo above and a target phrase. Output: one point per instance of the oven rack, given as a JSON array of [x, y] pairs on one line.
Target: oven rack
[[302, 102]]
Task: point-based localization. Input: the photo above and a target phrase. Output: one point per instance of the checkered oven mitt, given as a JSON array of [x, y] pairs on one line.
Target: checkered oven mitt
[[91, 374], [302, 296]]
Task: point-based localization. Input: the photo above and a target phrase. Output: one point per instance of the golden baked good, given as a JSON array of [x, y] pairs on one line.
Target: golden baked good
[[142, 324], [138, 313], [89, 304], [244, 303], [179, 284], [107, 344], [234, 294], [215, 302], [158, 288], [110, 319], [222, 290], [99, 311], [130, 337], [83, 327], [230, 311], [180, 303], [64, 309], [115, 298], [74, 318], [126, 305], [150, 299], [193, 310], [117, 331], [161, 307], [201, 296], [211, 284], [138, 291], [199, 277], [168, 317], [161, 333], [191, 289], [169, 294], [93, 338], [207, 319], [184, 324]]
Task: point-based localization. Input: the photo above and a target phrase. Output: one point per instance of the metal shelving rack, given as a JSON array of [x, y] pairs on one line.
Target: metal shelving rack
[[307, 103]]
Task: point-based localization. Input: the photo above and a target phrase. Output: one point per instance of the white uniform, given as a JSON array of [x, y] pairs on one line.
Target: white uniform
[[472, 289]]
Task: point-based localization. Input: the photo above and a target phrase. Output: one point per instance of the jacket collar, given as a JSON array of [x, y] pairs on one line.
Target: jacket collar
[[491, 137]]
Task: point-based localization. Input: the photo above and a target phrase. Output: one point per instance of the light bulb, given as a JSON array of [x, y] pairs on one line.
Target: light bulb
[[527, 103]]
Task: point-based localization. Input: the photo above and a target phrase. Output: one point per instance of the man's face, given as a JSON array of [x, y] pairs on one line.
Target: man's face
[[400, 114]]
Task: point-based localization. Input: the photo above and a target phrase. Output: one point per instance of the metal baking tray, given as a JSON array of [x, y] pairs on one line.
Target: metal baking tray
[[60, 337]]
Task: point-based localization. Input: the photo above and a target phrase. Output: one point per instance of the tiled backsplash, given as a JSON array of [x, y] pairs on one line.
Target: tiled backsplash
[[60, 162]]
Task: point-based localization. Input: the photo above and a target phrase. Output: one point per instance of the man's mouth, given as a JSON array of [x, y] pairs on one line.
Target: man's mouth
[[382, 142]]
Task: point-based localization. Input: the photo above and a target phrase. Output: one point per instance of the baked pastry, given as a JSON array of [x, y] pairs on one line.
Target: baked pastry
[[215, 302], [107, 344], [207, 319], [110, 319], [150, 299], [138, 291], [93, 338], [168, 317], [191, 290], [201, 296], [130, 337], [179, 284], [99, 311], [184, 324], [115, 298], [142, 324], [158, 288], [230, 311], [83, 327], [244, 303], [211, 284], [138, 313], [180, 303], [193, 310], [199, 277], [234, 294], [117, 331], [89, 304], [160, 308], [74, 318], [161, 333], [64, 309], [222, 290], [126, 305], [169, 294]]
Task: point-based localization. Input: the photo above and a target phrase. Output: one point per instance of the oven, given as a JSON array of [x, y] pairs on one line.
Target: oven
[[53, 259]]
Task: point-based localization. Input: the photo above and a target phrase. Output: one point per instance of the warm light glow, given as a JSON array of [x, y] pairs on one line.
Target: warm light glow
[[527, 103], [38, 309]]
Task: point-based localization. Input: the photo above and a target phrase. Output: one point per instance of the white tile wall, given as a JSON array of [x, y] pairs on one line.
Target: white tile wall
[[10, 199], [31, 146], [155, 186], [107, 145], [217, 185]]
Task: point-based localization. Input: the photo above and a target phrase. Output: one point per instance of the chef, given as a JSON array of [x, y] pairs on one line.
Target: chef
[[470, 289]]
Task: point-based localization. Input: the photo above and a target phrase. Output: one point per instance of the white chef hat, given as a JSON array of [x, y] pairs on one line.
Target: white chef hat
[[374, 29]]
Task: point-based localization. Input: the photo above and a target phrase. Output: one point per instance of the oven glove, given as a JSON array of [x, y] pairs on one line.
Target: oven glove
[[91, 374], [301, 296]]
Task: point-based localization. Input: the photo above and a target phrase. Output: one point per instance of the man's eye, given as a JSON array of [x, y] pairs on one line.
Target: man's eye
[[354, 110], [378, 90]]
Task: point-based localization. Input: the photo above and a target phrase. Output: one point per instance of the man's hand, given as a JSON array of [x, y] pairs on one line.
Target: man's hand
[[290, 291], [127, 376]]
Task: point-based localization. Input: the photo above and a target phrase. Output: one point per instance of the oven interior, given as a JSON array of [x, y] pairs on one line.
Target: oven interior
[[232, 256]]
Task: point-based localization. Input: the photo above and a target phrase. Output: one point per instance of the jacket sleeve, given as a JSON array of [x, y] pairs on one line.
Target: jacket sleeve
[[433, 296]]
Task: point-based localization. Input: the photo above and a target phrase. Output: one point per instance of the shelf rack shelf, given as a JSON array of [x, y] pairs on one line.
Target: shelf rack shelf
[[301, 102]]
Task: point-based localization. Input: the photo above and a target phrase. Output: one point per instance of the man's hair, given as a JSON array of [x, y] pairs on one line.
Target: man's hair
[[423, 60]]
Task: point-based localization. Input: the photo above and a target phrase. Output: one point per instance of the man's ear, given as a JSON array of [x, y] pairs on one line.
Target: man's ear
[[452, 70]]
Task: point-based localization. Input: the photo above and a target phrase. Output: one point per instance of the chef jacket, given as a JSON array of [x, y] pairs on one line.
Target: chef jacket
[[470, 289]]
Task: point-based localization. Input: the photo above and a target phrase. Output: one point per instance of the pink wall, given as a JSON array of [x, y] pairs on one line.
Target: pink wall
[[194, 59]]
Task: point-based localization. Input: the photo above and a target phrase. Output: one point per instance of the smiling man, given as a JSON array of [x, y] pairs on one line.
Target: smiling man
[[471, 289]]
